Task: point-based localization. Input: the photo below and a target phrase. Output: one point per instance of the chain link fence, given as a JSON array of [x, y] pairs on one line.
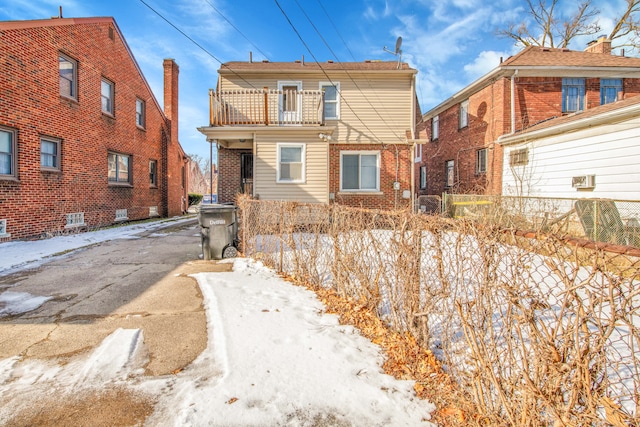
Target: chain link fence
[[534, 331], [602, 220]]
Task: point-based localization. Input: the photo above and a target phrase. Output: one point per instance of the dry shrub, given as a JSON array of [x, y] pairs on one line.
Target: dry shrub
[[530, 331]]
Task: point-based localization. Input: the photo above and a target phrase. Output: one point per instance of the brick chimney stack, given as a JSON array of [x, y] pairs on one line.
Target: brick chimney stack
[[171, 71], [601, 45]]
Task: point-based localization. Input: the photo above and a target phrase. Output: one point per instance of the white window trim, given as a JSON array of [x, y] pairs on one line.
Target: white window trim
[[3, 229], [290, 116], [112, 90], [303, 157], [121, 215], [463, 120], [435, 128], [423, 177], [143, 114], [359, 190], [337, 102]]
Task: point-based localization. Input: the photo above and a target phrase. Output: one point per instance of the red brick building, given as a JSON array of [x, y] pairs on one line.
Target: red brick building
[[83, 141], [459, 152]]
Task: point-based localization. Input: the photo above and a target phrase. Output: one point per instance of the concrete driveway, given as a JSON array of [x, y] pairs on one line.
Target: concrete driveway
[[127, 283]]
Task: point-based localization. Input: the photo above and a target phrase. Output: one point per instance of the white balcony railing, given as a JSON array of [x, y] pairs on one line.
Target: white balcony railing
[[266, 107]]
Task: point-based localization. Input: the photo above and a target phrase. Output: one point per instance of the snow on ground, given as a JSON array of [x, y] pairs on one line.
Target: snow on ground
[[273, 356]]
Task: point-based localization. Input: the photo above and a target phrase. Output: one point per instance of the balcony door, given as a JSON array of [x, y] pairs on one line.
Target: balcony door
[[290, 102]]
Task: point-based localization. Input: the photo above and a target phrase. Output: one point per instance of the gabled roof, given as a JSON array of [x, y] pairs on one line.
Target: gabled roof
[[535, 56], [315, 67], [604, 114], [535, 61]]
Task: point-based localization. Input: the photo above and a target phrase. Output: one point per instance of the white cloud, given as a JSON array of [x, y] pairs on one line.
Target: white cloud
[[484, 62]]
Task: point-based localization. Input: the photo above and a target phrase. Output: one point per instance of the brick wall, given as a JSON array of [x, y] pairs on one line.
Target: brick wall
[[229, 179], [395, 164], [38, 201]]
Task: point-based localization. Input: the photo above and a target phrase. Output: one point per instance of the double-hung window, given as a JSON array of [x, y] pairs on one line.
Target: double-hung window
[[119, 168], [8, 153], [609, 90], [572, 94], [291, 163], [464, 114], [50, 154], [68, 70], [140, 113], [107, 94], [331, 100], [481, 161], [360, 171], [435, 128]]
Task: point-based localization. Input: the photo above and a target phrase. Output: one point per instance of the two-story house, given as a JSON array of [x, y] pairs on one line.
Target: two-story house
[[83, 141], [461, 152], [315, 132]]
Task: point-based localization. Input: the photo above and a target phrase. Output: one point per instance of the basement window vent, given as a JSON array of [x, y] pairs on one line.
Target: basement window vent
[[121, 215], [3, 228], [75, 220], [153, 211]]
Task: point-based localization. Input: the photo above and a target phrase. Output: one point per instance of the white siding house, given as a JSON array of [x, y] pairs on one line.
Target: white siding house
[[589, 154]]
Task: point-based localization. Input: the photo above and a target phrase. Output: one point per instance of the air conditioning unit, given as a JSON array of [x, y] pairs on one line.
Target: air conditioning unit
[[583, 181]]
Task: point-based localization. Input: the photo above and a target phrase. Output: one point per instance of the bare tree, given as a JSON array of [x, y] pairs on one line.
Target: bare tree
[[549, 30]]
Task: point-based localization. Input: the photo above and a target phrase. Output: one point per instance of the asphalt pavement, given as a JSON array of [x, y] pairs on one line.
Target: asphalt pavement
[[126, 283]]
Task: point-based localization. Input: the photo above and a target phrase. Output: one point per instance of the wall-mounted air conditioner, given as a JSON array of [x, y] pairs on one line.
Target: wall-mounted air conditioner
[[583, 181]]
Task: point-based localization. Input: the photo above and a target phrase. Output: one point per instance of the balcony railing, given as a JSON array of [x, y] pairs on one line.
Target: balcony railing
[[266, 107]]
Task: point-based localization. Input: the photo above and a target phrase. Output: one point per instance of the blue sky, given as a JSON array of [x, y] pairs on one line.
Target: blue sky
[[450, 42]]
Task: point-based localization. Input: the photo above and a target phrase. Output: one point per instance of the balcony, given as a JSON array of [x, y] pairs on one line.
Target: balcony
[[264, 107]]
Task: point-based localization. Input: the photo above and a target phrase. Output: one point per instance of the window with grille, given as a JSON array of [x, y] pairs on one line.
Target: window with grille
[[572, 94], [75, 219], [519, 157]]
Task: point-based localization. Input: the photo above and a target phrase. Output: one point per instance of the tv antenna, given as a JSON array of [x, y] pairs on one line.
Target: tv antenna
[[398, 51]]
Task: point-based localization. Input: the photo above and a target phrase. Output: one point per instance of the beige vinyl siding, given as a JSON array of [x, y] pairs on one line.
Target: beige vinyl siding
[[376, 108], [315, 189]]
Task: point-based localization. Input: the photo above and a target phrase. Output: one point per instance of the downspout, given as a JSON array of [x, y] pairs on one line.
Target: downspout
[[513, 102]]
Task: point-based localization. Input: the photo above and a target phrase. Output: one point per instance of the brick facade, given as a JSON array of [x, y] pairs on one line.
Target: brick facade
[[229, 179], [395, 166], [36, 201], [536, 99]]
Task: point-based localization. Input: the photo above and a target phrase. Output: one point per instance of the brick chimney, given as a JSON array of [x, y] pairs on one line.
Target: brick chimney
[[601, 45], [171, 71]]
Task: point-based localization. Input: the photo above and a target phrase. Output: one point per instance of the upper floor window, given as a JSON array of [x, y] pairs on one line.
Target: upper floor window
[[107, 94], [609, 90], [464, 114], [8, 153], [50, 154], [331, 100], [449, 173], [360, 171], [435, 128], [119, 168], [291, 162], [481, 161], [140, 113], [68, 70], [423, 177], [153, 173], [572, 94]]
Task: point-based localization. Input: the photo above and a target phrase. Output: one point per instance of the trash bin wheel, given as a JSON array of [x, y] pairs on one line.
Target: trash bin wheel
[[230, 252]]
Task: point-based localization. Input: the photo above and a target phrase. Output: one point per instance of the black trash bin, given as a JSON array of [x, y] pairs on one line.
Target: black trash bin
[[219, 231]]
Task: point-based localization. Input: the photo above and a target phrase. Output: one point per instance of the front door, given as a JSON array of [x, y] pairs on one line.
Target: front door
[[290, 102], [246, 173]]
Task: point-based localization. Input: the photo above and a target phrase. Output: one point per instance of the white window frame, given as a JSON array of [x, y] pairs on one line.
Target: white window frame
[[13, 160], [117, 180], [72, 93], [57, 157], [141, 113], [289, 116], [360, 154], [121, 215], [464, 114], [322, 85], [107, 99], [303, 162], [435, 128], [423, 177]]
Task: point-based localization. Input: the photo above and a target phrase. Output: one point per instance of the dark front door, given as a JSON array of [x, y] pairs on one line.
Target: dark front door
[[246, 173]]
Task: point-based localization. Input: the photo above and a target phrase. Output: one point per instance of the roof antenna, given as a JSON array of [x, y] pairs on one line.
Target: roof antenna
[[398, 51]]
